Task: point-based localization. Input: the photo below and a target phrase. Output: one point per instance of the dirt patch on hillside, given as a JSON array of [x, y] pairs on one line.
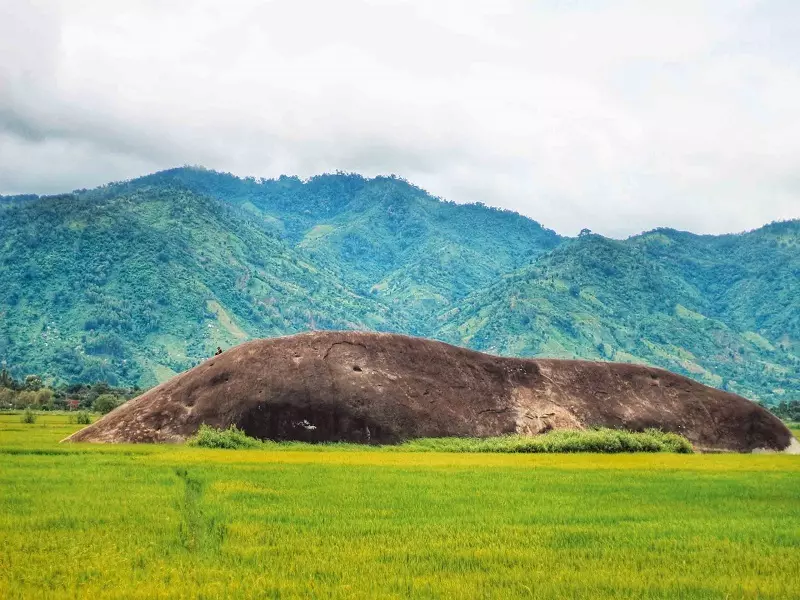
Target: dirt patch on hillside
[[384, 388]]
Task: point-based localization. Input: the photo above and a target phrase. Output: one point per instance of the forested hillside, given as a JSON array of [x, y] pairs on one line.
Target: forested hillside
[[132, 282], [11, 201], [726, 314], [382, 237]]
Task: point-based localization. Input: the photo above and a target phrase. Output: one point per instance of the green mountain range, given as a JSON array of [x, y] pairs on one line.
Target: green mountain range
[[133, 282]]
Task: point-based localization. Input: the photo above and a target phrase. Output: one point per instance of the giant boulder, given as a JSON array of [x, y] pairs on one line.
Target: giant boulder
[[384, 388]]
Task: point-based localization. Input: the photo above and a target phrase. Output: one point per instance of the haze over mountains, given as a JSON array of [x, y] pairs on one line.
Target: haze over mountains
[[135, 281]]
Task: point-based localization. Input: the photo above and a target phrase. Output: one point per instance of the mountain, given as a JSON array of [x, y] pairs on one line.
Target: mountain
[[132, 283], [383, 237], [136, 280], [11, 201], [723, 310]]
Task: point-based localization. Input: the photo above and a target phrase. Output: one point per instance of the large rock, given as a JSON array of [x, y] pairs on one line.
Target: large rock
[[369, 387]]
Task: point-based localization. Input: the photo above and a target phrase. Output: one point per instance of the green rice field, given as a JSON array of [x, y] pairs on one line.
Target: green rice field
[[85, 521]]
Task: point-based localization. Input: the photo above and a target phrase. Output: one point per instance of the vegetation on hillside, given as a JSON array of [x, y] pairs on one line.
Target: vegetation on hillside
[[133, 282], [605, 299], [130, 285]]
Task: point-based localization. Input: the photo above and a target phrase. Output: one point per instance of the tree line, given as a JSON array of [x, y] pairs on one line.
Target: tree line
[[787, 410], [32, 393]]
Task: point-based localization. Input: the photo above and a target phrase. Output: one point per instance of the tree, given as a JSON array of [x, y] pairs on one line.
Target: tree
[[105, 403], [789, 411], [33, 383], [44, 398], [7, 398], [6, 380], [24, 399]]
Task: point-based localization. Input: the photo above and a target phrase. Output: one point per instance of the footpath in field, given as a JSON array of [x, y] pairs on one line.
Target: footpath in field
[[173, 521]]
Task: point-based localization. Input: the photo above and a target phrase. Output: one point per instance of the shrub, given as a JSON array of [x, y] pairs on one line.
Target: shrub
[[231, 438], [28, 416], [607, 441], [83, 418]]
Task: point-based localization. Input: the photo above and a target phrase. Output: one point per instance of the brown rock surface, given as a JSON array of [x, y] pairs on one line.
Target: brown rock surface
[[369, 387]]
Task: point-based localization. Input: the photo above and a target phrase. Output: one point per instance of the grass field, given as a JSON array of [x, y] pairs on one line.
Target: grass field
[[162, 521]]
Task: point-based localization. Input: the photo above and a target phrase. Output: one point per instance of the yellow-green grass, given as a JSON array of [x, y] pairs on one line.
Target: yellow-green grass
[[173, 521]]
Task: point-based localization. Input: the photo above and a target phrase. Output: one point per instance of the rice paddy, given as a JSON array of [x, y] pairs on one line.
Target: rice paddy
[[181, 522]]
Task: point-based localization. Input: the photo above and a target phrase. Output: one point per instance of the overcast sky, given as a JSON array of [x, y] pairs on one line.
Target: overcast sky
[[619, 116]]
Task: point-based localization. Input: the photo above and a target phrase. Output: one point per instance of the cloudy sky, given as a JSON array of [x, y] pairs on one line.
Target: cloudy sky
[[618, 116]]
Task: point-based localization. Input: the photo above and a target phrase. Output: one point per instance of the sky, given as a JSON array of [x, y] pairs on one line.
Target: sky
[[617, 116]]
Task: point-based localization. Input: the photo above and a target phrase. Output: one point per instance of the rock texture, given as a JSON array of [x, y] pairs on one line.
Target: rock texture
[[383, 388]]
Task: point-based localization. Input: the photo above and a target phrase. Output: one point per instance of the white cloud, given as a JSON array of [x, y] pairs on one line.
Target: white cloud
[[618, 116]]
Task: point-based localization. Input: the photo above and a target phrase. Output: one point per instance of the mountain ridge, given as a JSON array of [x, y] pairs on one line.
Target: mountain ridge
[[212, 259]]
